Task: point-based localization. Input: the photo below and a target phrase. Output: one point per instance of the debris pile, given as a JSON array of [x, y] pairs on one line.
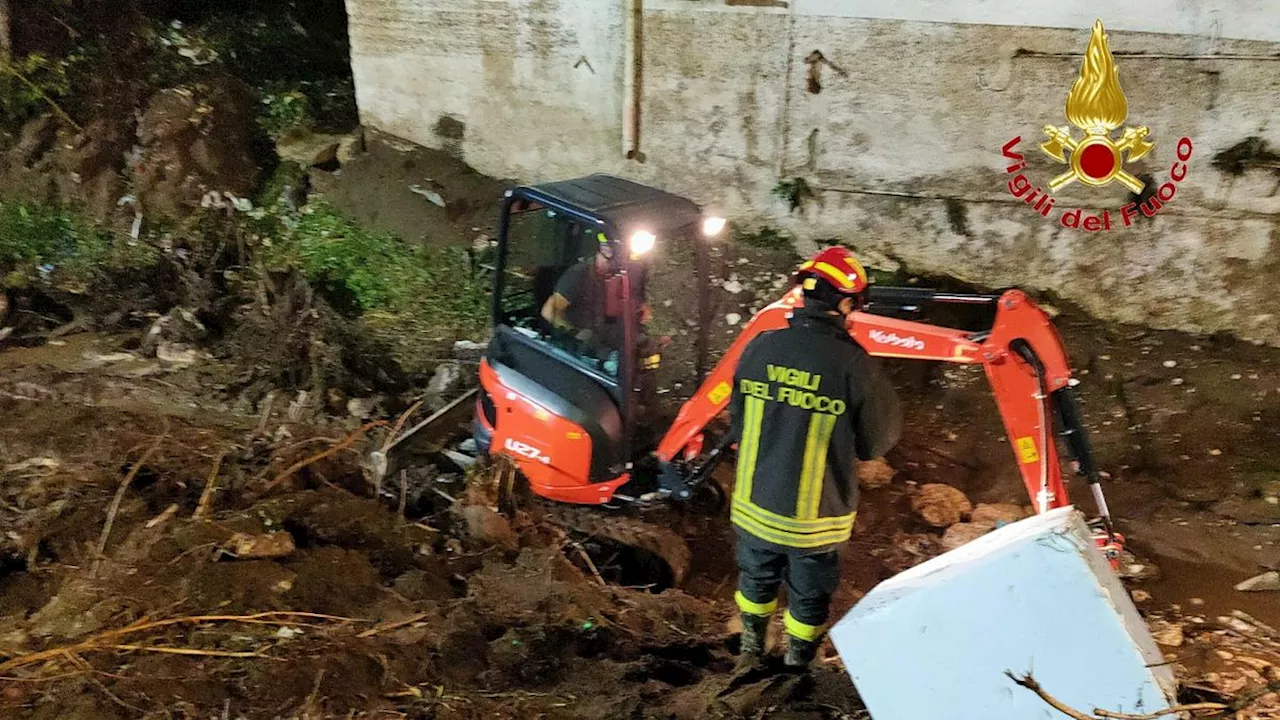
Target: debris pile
[[263, 561]]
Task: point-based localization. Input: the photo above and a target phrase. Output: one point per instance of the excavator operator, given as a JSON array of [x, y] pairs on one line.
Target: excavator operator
[[579, 301], [579, 306], [808, 402]]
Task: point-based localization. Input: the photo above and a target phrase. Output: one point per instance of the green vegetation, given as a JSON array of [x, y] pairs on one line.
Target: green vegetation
[[292, 53], [766, 238], [286, 113], [795, 191], [409, 291], [46, 243], [31, 86]]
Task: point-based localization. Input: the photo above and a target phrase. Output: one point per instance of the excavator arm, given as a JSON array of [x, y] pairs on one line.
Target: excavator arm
[[1022, 355]]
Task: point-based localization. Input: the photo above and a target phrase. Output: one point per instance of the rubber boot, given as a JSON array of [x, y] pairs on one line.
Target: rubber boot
[[800, 653], [754, 628]]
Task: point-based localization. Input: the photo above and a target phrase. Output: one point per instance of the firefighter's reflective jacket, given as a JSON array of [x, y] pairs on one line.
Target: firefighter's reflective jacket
[[807, 400]]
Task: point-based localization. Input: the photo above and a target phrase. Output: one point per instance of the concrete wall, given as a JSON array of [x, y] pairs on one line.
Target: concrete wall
[[903, 142]]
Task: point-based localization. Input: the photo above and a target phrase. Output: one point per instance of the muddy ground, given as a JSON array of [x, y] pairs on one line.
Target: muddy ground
[[140, 489]]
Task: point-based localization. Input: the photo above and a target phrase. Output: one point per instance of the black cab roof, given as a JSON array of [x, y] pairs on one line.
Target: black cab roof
[[625, 204]]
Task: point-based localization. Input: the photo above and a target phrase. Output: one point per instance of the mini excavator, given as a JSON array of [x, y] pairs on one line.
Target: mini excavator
[[564, 423]]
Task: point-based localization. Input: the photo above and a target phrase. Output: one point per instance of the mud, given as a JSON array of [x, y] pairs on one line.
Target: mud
[[388, 185], [425, 616]]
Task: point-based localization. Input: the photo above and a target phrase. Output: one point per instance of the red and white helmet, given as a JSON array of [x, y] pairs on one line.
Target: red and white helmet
[[838, 269]]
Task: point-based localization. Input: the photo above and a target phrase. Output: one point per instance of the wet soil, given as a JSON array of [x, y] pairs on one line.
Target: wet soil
[[394, 187]]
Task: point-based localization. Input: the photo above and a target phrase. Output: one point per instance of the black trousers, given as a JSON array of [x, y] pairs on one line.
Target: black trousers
[[811, 578]]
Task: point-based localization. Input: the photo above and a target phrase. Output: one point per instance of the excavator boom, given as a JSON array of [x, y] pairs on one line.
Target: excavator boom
[[1022, 355]]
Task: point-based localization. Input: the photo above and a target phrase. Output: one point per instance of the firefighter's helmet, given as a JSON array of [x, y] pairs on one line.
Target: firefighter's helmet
[[837, 269]]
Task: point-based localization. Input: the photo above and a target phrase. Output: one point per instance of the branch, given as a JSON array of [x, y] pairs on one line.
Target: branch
[[1154, 716], [111, 638], [43, 96], [210, 487], [348, 442], [115, 502], [1031, 684]]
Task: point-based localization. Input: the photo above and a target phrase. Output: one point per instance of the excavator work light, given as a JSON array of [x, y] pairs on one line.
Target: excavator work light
[[712, 226], [642, 241]]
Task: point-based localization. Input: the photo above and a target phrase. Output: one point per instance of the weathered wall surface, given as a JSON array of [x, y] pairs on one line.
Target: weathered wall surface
[[901, 143]]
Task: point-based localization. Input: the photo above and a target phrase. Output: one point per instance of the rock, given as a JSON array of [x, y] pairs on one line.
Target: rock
[[447, 378], [732, 285], [179, 325], [487, 525], [999, 514], [270, 545], [430, 195], [311, 150], [177, 353], [940, 505], [1131, 568], [4, 307], [733, 319], [1267, 581], [963, 532], [361, 408], [94, 360], [468, 350], [1140, 596], [351, 147], [1167, 634], [875, 474]]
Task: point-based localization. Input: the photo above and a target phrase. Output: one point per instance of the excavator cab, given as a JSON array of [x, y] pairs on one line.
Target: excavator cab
[[561, 377]]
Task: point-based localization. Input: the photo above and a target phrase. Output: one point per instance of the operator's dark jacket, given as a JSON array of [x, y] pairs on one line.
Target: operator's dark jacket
[[807, 400]]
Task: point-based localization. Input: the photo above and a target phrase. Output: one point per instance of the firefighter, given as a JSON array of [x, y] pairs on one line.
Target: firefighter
[[808, 402]]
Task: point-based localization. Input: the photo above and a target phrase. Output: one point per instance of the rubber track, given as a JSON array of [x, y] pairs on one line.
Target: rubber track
[[624, 530]]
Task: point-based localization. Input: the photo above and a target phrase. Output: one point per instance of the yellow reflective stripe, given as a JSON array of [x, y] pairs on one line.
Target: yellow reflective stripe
[[841, 276], [793, 525], [800, 630], [815, 465], [755, 608], [753, 415], [795, 540]]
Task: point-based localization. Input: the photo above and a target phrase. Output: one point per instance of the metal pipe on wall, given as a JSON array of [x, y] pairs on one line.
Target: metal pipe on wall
[[633, 81]]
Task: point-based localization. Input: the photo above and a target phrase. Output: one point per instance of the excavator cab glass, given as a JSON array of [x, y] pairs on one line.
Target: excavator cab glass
[[563, 286]]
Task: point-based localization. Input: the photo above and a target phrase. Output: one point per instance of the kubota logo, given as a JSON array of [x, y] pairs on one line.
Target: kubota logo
[[1096, 106], [895, 340]]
